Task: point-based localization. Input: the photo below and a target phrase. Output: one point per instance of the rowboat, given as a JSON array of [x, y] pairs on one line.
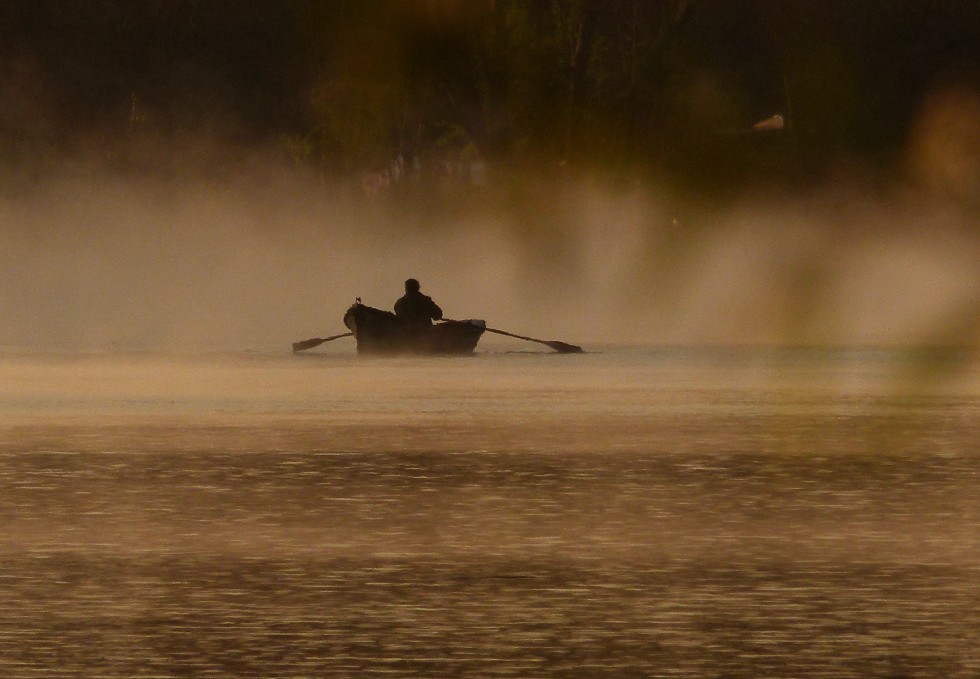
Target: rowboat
[[382, 332]]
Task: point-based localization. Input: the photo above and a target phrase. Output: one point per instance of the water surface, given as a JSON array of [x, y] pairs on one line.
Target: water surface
[[635, 512]]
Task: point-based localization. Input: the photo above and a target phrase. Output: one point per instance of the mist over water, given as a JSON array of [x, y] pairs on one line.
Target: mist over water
[[180, 495], [259, 259]]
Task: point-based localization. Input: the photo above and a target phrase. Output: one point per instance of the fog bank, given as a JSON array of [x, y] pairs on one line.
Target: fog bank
[[256, 261]]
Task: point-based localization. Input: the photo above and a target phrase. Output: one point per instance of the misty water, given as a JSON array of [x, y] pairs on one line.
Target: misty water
[[634, 511]]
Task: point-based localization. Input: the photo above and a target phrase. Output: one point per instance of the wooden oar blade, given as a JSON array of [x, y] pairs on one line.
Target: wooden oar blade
[[564, 347], [316, 341], [307, 344]]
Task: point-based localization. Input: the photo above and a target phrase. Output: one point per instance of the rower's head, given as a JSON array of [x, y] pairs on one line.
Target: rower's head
[[411, 285]]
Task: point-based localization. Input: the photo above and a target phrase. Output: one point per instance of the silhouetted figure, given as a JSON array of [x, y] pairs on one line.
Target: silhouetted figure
[[415, 308]]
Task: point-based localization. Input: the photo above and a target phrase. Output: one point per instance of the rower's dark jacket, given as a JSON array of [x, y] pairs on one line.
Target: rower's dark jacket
[[417, 309]]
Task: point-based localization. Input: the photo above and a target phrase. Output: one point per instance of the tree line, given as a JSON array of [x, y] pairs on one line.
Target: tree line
[[670, 88]]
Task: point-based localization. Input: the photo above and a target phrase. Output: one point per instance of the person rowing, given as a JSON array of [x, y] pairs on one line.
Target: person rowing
[[416, 309]]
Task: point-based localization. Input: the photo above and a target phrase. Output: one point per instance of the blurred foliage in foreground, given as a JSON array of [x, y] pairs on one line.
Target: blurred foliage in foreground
[[668, 89]]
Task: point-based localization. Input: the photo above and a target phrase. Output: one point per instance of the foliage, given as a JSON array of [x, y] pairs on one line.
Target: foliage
[[665, 86]]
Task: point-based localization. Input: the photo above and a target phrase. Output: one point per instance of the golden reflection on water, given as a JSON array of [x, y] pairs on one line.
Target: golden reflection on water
[[633, 513]]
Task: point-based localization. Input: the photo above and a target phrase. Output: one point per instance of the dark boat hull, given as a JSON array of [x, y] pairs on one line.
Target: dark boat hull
[[381, 332]]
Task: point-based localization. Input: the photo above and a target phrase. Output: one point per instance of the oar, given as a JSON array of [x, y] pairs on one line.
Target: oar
[[316, 341], [560, 347]]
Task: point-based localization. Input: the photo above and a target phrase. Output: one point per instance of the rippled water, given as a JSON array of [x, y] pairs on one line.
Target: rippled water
[[628, 513]]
